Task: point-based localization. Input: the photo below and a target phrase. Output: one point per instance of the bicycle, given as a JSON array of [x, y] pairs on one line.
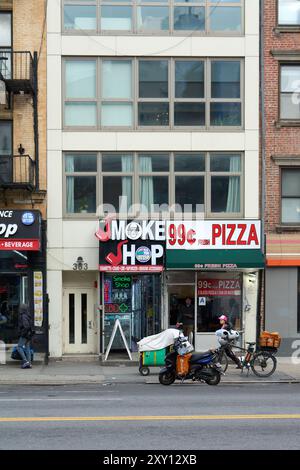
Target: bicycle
[[262, 362]]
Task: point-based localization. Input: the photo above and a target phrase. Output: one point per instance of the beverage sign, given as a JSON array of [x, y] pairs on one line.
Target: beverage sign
[[211, 287], [131, 246], [213, 235], [20, 230]]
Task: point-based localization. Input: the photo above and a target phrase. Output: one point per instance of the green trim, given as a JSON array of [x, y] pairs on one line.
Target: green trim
[[188, 259]]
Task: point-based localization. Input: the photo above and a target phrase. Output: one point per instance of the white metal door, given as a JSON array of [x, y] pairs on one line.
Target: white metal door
[[80, 327]]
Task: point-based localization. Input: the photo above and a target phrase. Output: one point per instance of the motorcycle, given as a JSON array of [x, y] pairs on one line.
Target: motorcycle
[[181, 364]]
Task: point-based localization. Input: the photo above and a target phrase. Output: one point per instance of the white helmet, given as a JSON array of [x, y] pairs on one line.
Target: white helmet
[[233, 335], [223, 336]]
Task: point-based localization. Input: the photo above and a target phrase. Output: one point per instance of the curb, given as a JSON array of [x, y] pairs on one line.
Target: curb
[[135, 382]]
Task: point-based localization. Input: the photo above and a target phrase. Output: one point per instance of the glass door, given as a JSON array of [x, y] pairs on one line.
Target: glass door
[[80, 328]]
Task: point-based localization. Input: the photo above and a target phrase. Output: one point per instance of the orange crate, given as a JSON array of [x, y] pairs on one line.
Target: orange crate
[[182, 364], [269, 340]]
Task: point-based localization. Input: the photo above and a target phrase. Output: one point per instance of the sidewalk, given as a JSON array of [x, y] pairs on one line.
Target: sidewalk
[[64, 373]]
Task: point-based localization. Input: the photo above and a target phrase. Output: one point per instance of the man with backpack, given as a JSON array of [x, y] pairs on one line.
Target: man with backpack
[[25, 331]]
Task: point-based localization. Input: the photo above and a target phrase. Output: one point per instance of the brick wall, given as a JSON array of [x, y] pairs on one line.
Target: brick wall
[[29, 35], [279, 140]]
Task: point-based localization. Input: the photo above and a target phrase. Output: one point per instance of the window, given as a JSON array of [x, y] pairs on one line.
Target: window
[[81, 172], [290, 92], [80, 93], [5, 43], [132, 183], [170, 93], [154, 16], [290, 196], [289, 12], [5, 151]]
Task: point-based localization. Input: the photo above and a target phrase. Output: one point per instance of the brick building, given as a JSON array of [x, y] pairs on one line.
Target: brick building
[[281, 166], [22, 164]]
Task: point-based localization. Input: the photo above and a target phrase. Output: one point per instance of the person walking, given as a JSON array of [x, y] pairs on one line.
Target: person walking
[[186, 316], [226, 325], [25, 331]]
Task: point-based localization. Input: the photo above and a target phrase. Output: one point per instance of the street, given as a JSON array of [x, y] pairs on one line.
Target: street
[[150, 416]]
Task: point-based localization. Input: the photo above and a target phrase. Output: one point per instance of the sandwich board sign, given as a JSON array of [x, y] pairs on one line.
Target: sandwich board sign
[[113, 334]]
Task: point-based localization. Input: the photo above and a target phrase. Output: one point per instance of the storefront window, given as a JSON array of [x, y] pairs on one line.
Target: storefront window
[[13, 291], [136, 301], [218, 294]]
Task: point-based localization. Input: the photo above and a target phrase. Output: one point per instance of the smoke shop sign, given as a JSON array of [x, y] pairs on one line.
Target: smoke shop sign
[[131, 246], [20, 230]]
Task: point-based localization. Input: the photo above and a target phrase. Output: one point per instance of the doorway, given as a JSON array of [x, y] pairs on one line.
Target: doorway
[[178, 309], [80, 326]]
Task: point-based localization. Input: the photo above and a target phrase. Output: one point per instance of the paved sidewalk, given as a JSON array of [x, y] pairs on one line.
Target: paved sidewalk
[[66, 372]]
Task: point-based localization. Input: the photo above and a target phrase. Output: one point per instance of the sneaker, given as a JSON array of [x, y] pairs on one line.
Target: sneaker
[[26, 365]]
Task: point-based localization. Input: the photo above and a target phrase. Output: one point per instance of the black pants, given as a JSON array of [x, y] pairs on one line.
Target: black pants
[[228, 351]]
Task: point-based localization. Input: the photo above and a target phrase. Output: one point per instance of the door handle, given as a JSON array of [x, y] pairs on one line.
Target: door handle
[[90, 324]]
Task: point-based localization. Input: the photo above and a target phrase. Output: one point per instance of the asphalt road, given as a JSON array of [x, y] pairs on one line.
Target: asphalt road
[[130, 416]]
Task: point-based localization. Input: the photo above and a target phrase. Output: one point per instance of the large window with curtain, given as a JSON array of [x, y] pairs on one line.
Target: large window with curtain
[[153, 16], [133, 183], [132, 93]]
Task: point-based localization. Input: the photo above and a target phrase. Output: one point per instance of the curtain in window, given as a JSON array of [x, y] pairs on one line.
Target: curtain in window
[[126, 199], [70, 185], [233, 197], [146, 182]]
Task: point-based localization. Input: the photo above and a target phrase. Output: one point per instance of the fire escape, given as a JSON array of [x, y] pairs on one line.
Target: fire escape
[[18, 73]]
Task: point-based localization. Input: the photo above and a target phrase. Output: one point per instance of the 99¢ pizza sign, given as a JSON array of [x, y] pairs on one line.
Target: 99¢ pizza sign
[[212, 235]]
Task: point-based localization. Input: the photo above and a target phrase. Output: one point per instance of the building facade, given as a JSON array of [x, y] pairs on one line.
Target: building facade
[[281, 162], [23, 167], [153, 129]]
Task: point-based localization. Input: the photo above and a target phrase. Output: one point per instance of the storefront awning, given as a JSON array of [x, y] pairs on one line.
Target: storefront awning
[[283, 250], [214, 259]]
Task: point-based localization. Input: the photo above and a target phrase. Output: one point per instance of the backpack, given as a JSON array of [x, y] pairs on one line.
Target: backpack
[[16, 356]]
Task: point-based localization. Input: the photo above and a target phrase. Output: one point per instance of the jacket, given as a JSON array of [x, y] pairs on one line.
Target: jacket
[[25, 323]]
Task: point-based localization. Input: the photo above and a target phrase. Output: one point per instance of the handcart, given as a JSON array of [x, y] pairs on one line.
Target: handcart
[[152, 358], [153, 349]]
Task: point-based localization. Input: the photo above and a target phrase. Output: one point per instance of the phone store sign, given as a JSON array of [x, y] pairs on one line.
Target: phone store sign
[[213, 235]]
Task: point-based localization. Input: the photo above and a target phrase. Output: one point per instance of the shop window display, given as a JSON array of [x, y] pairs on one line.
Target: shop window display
[[136, 301]]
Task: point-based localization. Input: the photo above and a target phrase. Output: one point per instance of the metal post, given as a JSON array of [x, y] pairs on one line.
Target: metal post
[[35, 119]]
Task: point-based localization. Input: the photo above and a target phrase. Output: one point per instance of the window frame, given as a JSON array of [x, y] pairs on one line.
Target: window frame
[[170, 4], [282, 169], [67, 174], [8, 49], [280, 118], [171, 90], [171, 174], [285, 27]]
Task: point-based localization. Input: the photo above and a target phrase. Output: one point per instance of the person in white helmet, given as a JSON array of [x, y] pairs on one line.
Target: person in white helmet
[[225, 325]]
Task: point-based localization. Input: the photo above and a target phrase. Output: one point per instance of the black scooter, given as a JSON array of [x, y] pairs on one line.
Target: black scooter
[[203, 367]]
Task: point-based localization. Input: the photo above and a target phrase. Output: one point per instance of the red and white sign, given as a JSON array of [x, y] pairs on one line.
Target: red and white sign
[[28, 245], [213, 235], [209, 287], [128, 268]]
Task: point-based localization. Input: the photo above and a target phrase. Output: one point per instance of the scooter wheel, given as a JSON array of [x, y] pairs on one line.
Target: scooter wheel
[[167, 378], [214, 380], [144, 371]]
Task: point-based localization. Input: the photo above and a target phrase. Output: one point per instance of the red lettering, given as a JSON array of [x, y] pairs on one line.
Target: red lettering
[[216, 232], [229, 240], [240, 240], [253, 235]]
